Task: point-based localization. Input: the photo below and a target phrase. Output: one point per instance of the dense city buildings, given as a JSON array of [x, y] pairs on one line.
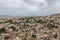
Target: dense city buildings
[[30, 28]]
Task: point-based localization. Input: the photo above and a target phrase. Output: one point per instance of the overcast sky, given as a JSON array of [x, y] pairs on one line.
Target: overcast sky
[[29, 7]]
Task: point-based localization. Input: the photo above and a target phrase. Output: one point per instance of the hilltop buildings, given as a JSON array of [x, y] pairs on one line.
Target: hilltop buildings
[[30, 28]]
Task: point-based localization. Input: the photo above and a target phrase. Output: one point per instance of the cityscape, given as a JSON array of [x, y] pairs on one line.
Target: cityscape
[[29, 19], [30, 28]]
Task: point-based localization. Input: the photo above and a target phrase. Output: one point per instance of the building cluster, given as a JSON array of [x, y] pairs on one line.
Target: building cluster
[[30, 28]]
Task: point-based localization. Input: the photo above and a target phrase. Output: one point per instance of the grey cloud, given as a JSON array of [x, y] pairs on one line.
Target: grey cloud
[[29, 7]]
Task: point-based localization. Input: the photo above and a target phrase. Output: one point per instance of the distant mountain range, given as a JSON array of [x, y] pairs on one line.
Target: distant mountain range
[[5, 16], [9, 16]]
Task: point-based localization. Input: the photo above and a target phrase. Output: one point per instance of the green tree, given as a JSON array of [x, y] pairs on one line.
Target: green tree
[[2, 30], [33, 36], [12, 27], [6, 37]]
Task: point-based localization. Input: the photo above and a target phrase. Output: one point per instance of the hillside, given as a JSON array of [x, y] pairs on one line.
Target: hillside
[[31, 28]]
